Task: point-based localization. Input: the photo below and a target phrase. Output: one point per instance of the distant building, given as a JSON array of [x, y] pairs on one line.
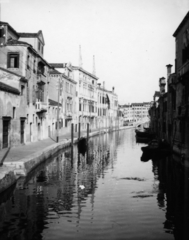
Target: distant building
[[107, 107], [86, 97], [135, 112], [63, 86]]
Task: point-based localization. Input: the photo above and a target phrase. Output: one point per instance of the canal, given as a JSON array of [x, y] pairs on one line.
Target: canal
[[105, 193]]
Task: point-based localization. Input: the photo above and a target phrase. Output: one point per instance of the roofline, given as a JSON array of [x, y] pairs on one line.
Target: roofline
[[55, 102], [181, 24], [84, 71], [64, 76], [5, 23], [16, 74], [37, 35], [73, 81], [107, 91], [10, 89]]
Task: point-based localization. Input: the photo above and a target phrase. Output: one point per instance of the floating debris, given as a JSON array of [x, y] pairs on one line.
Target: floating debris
[[133, 178], [81, 186], [142, 196]]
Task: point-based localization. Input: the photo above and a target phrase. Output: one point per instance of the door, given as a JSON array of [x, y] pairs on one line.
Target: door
[[21, 131], [5, 133], [39, 131], [30, 132]]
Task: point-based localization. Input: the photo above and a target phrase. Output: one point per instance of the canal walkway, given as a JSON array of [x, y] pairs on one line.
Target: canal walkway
[[19, 161]]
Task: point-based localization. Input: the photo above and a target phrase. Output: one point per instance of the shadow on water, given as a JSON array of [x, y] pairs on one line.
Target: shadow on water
[[173, 193], [60, 190]]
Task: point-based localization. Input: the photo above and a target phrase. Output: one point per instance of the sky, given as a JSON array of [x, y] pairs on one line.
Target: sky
[[132, 40]]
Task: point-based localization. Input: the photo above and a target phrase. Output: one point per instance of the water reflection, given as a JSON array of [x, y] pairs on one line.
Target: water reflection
[[119, 197]]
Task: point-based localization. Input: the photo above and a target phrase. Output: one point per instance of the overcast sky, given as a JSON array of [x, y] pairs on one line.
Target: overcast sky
[[131, 39]]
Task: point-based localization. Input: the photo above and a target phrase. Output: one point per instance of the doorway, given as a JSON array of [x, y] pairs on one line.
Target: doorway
[[6, 124], [22, 131]]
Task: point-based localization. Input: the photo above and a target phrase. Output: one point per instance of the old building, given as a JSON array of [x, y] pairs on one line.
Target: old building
[[169, 117], [181, 85], [136, 112], [86, 91], [22, 53], [13, 116], [63, 90]]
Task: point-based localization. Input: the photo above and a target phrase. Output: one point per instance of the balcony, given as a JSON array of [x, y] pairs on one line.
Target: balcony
[[68, 115], [41, 107], [41, 79], [183, 69]]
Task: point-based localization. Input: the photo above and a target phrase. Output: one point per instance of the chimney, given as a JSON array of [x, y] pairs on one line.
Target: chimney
[[113, 89], [104, 84], [99, 84], [162, 84], [169, 66]]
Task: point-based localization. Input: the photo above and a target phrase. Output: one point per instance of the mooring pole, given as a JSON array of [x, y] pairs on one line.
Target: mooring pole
[[87, 133], [72, 133], [79, 131]]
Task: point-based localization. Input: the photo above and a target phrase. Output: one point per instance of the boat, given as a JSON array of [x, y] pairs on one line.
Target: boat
[[146, 134], [156, 147], [142, 139]]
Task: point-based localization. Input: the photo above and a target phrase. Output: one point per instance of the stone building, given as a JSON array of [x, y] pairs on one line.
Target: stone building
[[12, 109], [86, 90], [171, 112], [63, 90], [136, 112], [181, 85], [22, 54]]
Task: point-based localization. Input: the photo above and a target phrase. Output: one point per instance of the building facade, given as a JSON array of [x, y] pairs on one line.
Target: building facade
[[86, 92], [135, 112], [22, 54], [171, 112]]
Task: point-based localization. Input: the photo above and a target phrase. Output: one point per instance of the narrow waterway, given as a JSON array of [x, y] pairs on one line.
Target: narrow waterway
[[107, 193]]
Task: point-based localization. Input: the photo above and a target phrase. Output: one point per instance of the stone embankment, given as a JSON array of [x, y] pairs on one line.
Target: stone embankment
[[22, 160]]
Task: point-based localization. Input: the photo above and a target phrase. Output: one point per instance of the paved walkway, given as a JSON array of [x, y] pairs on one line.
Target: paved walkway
[[22, 151]]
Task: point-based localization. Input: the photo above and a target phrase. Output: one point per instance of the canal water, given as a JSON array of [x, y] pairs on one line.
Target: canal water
[[104, 193]]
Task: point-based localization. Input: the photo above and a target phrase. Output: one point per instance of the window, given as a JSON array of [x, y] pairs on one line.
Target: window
[[14, 113], [39, 46], [22, 90], [13, 60], [28, 62], [34, 64]]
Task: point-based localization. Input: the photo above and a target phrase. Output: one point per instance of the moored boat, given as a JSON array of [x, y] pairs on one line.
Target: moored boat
[[156, 147]]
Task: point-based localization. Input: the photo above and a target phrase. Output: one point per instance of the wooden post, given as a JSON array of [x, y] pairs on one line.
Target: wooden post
[[72, 133], [79, 130], [87, 132]]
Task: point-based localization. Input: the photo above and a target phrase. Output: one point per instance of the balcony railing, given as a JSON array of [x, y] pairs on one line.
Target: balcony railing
[[41, 106], [41, 78], [68, 114], [183, 69]]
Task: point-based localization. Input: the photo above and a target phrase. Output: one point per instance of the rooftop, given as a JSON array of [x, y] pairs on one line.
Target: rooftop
[[54, 103], [185, 19], [84, 71], [8, 88], [9, 26]]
